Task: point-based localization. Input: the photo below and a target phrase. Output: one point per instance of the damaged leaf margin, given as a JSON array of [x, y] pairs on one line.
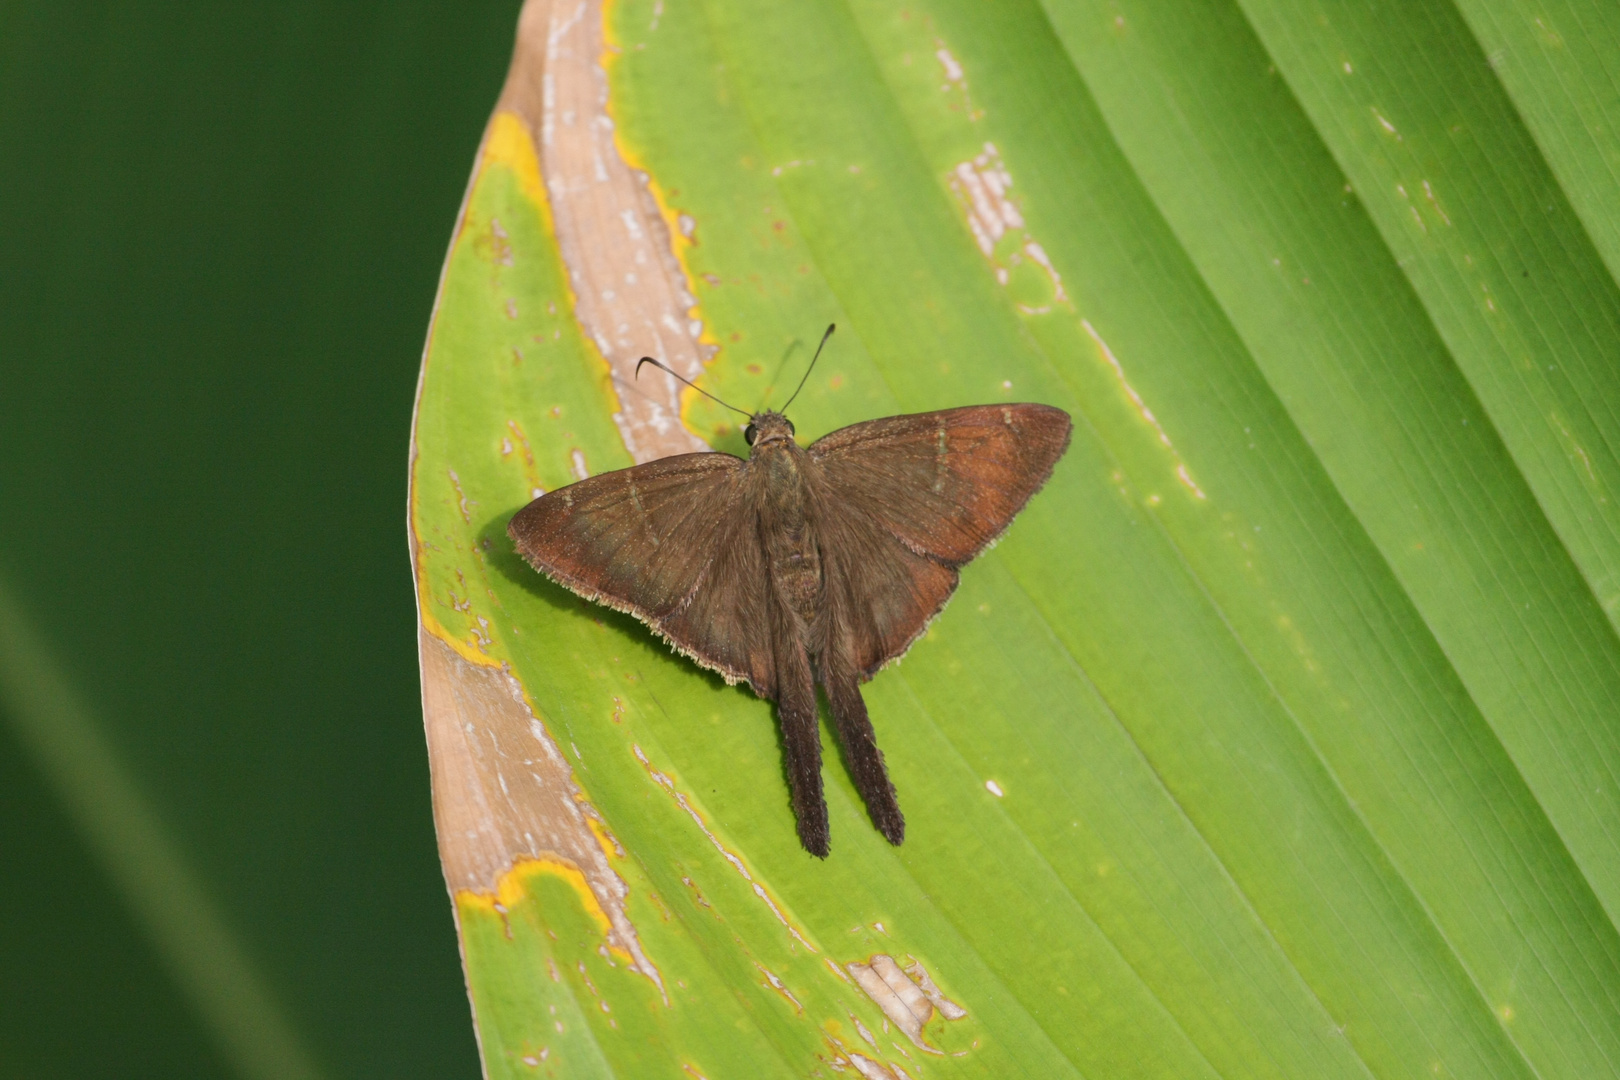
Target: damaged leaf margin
[[504, 797], [508, 807]]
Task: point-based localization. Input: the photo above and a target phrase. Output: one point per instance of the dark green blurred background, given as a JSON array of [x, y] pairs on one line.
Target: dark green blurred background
[[220, 231]]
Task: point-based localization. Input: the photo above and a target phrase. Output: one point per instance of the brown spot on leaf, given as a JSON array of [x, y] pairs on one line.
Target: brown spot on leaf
[[503, 792]]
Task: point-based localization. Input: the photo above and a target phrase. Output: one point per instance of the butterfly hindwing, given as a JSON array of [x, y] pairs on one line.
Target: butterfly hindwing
[[724, 622], [880, 592], [651, 540]]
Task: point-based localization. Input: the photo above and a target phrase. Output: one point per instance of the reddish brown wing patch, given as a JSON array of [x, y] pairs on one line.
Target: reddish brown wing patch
[[945, 483], [645, 540]]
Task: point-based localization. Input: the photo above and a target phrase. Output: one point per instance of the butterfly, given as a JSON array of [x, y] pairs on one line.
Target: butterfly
[[801, 565]]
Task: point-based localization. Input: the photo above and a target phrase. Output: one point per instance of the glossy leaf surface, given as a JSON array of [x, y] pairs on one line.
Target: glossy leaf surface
[[1277, 738]]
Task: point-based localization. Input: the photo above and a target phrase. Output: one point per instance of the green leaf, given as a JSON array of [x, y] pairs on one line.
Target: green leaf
[[1278, 736]]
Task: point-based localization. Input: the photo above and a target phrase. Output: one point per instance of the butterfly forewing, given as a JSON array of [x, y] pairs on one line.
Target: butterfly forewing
[[945, 483], [913, 497], [645, 540]]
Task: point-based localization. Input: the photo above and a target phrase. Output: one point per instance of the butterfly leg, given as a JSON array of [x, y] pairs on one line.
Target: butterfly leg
[[801, 735], [860, 747]]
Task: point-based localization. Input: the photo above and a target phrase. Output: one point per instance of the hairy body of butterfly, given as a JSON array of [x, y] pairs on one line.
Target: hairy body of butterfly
[[802, 565]]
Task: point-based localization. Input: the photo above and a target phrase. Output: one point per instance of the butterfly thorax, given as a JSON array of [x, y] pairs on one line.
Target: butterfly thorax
[[786, 524]]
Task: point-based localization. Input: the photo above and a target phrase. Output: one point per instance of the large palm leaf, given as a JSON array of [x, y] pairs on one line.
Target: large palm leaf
[[1279, 737]]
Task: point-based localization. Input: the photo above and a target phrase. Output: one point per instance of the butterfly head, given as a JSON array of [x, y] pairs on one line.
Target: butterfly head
[[767, 427]]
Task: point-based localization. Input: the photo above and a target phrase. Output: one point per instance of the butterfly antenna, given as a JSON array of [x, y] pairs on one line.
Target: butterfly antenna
[[665, 367], [830, 328]]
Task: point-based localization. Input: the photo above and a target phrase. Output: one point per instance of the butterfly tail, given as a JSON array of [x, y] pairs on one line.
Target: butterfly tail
[[861, 750], [801, 740]]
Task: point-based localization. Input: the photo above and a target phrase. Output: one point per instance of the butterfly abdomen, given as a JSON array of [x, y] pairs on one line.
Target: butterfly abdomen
[[787, 532]]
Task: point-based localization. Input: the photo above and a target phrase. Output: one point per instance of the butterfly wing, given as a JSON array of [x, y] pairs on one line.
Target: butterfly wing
[[946, 483], [881, 592], [921, 495], [669, 543]]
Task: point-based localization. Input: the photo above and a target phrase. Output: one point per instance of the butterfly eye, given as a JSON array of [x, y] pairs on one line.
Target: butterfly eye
[[789, 423], [748, 434]]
